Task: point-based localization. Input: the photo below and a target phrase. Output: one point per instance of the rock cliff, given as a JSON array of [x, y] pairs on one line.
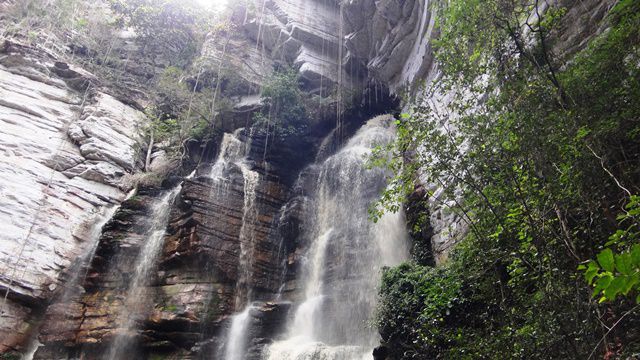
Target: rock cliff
[[66, 147]]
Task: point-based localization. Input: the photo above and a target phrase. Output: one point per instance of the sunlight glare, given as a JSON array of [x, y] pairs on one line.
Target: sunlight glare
[[214, 5]]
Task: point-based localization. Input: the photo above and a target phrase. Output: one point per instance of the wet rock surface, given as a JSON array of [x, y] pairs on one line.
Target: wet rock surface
[[194, 286]]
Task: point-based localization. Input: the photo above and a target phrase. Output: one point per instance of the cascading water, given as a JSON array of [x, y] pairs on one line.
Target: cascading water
[[73, 288], [346, 254], [249, 217], [80, 272], [237, 336], [233, 152], [135, 306]]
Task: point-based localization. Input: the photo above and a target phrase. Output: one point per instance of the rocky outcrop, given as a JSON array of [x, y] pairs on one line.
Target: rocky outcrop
[[65, 147]]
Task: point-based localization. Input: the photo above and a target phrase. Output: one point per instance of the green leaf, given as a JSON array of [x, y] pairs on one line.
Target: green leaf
[[601, 284], [635, 255], [616, 237], [631, 282], [605, 259], [615, 287], [624, 263], [583, 132], [591, 272]]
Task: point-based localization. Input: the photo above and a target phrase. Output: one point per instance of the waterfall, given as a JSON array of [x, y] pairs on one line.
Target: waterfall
[[237, 337], [79, 273], [249, 218], [60, 308], [31, 349], [240, 324], [233, 152], [342, 265], [136, 300]]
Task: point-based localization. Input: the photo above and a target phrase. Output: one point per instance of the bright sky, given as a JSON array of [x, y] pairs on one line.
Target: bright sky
[[215, 5]]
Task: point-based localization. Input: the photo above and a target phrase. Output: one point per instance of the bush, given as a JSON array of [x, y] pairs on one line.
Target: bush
[[414, 302]]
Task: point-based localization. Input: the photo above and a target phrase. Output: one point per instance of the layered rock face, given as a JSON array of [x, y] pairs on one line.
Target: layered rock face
[[195, 285], [65, 148]]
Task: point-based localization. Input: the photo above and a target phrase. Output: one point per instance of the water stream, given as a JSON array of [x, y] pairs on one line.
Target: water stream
[[74, 285], [233, 152], [136, 300], [79, 273], [342, 265]]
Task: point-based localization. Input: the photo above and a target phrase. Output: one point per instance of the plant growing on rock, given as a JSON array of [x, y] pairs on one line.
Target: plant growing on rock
[[284, 112], [181, 112]]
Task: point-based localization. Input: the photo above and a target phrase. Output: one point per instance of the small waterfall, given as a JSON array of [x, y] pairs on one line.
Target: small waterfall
[[136, 302], [31, 349], [342, 266], [233, 152], [79, 273], [73, 289], [249, 218], [237, 338]]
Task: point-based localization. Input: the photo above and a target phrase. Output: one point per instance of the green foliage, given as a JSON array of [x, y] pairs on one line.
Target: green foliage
[[614, 274], [170, 308], [477, 307], [10, 356], [537, 159], [285, 113], [39, 20], [414, 302], [180, 112]]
